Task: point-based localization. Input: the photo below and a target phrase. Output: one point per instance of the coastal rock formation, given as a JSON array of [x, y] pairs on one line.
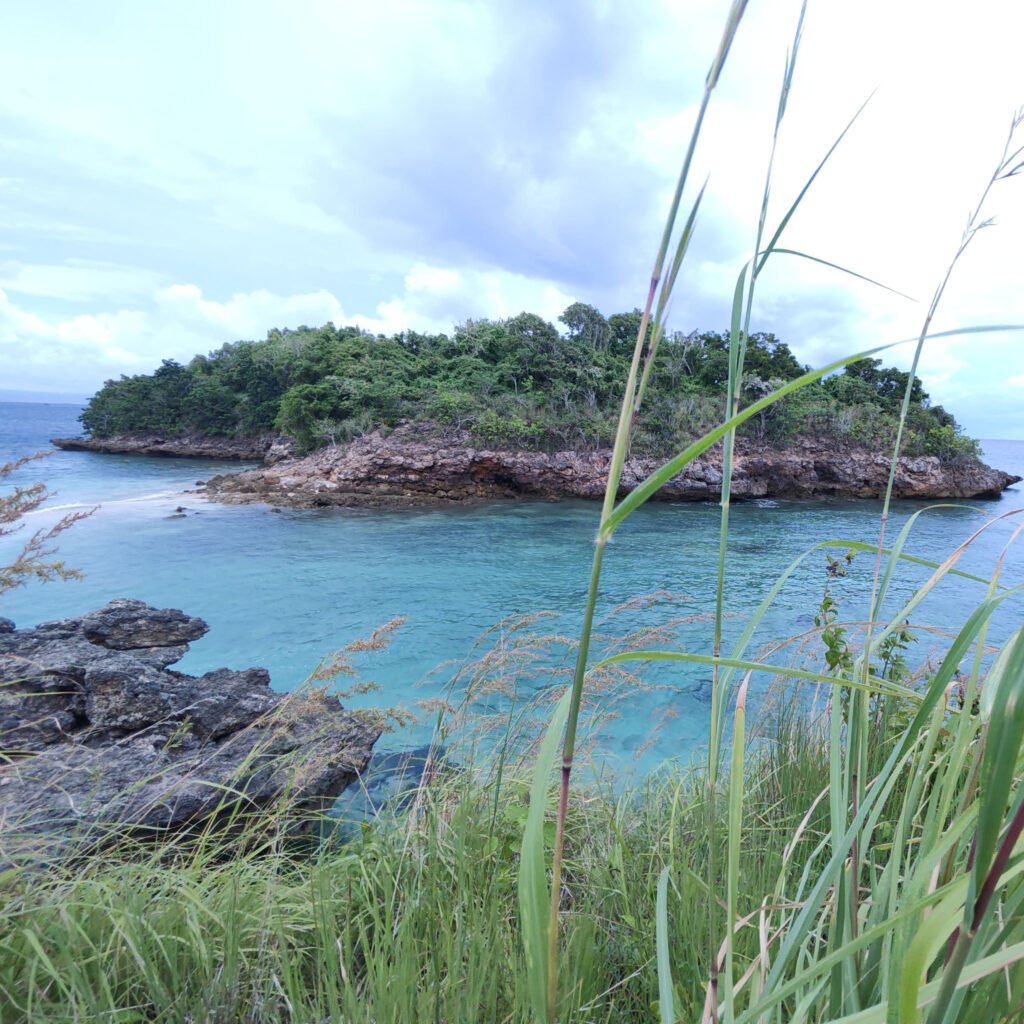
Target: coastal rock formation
[[405, 467], [268, 449], [98, 736]]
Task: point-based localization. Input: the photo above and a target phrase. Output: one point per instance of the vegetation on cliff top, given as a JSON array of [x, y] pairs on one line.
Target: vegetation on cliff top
[[516, 382]]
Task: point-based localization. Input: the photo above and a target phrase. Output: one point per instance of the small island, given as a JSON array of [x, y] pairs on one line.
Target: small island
[[515, 408]]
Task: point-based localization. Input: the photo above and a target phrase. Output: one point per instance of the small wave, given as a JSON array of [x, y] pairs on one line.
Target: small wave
[[765, 503], [138, 499], [59, 508], [145, 497]]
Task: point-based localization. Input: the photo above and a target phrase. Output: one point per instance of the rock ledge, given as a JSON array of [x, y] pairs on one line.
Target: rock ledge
[[410, 466], [258, 449], [99, 737]]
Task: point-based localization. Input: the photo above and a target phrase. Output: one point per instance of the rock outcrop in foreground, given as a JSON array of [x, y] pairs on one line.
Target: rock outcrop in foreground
[[404, 467], [99, 737], [266, 449]]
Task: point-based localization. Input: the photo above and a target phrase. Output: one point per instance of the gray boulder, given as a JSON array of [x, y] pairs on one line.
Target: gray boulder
[[99, 738], [125, 625]]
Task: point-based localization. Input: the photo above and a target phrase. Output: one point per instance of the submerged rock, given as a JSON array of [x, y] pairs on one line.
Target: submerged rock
[[414, 465], [98, 737]]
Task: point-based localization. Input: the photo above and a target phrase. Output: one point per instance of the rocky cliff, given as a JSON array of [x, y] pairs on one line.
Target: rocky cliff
[[406, 467], [99, 737]]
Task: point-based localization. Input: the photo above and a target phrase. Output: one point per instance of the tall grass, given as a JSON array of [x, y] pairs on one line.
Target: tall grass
[[414, 919], [857, 857], [844, 937]]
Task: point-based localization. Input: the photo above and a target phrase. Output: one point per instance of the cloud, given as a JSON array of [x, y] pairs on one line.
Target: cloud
[[248, 316], [77, 281], [410, 165], [437, 298], [76, 353]]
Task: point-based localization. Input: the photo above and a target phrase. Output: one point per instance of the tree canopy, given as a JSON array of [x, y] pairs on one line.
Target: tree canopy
[[512, 382]]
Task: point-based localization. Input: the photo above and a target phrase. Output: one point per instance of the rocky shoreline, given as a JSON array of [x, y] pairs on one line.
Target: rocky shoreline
[[266, 449], [99, 738], [416, 465], [405, 468]]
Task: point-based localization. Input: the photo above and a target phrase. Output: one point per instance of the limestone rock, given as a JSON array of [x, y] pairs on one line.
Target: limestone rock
[[417, 464], [125, 624], [187, 446], [98, 736]]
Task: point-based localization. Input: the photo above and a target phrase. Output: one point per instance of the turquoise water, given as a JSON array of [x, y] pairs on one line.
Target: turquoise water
[[284, 589]]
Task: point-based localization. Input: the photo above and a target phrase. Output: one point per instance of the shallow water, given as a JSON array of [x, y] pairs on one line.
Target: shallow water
[[284, 589]]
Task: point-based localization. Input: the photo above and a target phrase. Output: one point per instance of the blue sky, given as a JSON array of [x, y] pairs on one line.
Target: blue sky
[[176, 176]]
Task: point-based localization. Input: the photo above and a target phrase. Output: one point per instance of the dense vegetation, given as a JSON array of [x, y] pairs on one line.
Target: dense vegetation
[[413, 921], [516, 382]]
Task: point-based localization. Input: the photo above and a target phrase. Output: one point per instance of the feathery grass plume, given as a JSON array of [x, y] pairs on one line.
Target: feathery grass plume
[[35, 560]]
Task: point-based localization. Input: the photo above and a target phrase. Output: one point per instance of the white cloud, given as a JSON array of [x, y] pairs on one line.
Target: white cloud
[[78, 352], [437, 298], [409, 165], [76, 281], [244, 316]]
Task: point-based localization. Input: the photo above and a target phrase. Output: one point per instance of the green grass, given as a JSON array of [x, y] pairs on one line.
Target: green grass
[[416, 919]]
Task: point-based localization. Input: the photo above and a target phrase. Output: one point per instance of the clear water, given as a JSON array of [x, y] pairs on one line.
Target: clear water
[[284, 589]]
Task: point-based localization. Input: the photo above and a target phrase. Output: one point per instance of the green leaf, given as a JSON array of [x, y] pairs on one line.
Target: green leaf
[[995, 677], [534, 905], [666, 997], [1002, 750]]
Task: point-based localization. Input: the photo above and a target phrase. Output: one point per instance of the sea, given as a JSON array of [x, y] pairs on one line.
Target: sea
[[489, 595]]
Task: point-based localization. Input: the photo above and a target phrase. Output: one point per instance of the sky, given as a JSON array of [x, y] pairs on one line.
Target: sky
[[177, 176]]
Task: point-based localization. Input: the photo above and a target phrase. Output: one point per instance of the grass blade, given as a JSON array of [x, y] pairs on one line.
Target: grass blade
[[666, 997], [534, 906]]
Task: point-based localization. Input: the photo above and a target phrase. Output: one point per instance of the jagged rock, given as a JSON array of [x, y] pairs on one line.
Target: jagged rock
[[125, 624], [186, 446], [281, 450], [98, 737], [414, 465]]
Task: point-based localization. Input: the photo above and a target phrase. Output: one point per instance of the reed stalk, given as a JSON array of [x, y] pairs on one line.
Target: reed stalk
[[864, 953], [632, 396]]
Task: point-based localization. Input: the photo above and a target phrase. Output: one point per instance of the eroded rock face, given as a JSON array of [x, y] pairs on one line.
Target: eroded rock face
[[188, 446], [409, 466], [126, 625], [98, 736]]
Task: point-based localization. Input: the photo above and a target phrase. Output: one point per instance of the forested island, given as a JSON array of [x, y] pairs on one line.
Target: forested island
[[517, 382], [512, 407]]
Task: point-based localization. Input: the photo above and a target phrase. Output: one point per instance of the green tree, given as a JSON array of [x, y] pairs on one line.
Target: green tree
[[888, 383], [304, 406], [586, 325]]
